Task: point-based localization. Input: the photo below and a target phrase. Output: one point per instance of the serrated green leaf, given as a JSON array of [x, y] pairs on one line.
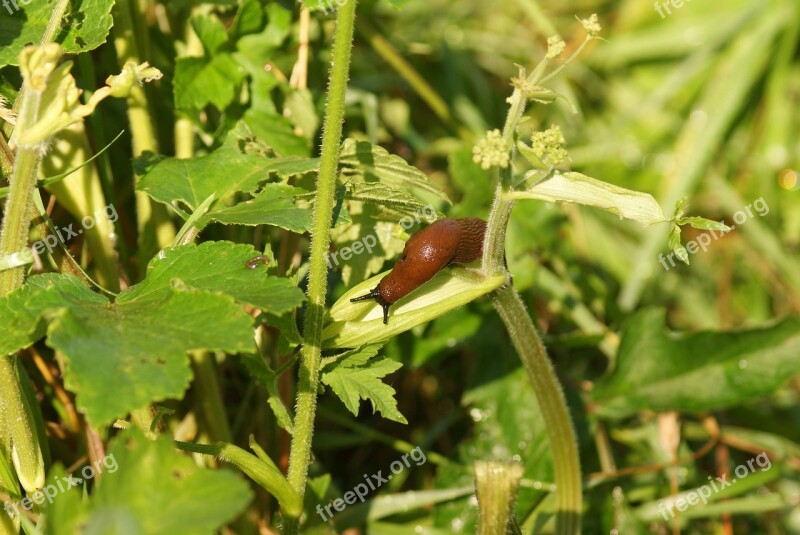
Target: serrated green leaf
[[581, 189], [273, 205], [217, 267], [376, 193], [372, 163], [148, 487], [122, 356], [87, 24], [200, 81], [356, 375], [662, 371]]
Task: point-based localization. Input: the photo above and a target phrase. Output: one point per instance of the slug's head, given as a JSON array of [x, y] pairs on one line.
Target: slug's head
[[375, 294]]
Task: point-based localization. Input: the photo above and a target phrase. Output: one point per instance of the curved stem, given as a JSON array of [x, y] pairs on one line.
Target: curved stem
[[552, 403], [299, 458], [526, 339]]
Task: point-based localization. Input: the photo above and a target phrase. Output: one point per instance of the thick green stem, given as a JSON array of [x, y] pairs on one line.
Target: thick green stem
[[526, 339], [299, 458], [17, 221], [542, 376], [25, 451], [496, 485]]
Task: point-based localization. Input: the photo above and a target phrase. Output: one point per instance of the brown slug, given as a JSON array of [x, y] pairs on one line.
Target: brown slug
[[445, 242]]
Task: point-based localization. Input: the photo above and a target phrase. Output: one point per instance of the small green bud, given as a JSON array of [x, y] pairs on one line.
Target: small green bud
[[549, 146], [491, 150], [555, 46], [592, 25]]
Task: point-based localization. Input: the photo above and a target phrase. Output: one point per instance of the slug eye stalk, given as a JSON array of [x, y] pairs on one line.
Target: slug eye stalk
[[375, 294]]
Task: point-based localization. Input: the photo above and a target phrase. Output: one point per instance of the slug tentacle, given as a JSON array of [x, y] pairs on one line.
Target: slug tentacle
[[375, 294]]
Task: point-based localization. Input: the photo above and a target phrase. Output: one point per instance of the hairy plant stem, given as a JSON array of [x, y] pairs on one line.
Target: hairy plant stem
[[552, 403], [526, 339], [25, 451], [305, 410]]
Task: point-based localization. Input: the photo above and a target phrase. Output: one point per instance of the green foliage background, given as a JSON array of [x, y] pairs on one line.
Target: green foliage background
[[672, 376]]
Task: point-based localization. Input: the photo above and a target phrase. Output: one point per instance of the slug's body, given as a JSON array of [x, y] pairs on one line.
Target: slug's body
[[442, 243]]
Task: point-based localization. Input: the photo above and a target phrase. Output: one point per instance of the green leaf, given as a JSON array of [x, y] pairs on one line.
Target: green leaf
[[367, 227], [200, 81], [674, 241], [702, 223], [662, 371], [20, 321], [123, 356], [148, 487], [582, 189], [273, 205], [376, 193], [217, 267], [211, 32], [371, 163], [356, 375], [223, 172], [86, 27], [276, 131], [680, 207], [266, 377], [249, 19], [261, 470]]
